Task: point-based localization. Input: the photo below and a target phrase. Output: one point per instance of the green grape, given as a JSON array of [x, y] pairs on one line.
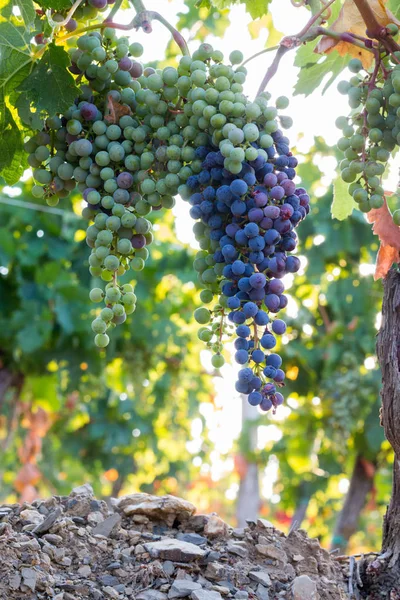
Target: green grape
[[202, 315], [96, 295], [101, 340]]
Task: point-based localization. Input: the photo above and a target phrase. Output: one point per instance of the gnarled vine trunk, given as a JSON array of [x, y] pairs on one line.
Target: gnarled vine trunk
[[388, 350], [384, 576]]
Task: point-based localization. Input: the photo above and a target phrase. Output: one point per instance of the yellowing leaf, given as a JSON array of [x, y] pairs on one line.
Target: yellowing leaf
[[343, 204], [266, 22], [350, 20]]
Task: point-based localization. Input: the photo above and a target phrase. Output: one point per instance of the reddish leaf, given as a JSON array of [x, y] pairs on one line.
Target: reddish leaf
[[387, 255], [389, 235], [350, 20], [116, 110]]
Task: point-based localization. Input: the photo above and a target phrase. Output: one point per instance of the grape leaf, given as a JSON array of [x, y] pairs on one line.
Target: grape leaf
[[350, 20], [312, 73], [55, 4], [12, 154], [343, 204], [389, 235], [255, 8], [394, 7], [14, 51], [50, 87], [27, 11]]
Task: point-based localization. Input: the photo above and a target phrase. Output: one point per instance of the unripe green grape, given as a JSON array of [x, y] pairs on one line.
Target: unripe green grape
[[98, 325], [136, 49], [206, 296], [217, 360], [129, 299], [137, 264], [202, 315], [236, 57], [396, 217], [37, 191], [104, 238], [124, 246], [96, 295], [101, 340], [52, 201], [360, 195], [376, 201], [348, 176]]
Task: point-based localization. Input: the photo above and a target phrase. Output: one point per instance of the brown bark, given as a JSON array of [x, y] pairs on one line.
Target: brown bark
[[361, 484], [383, 576], [388, 351]]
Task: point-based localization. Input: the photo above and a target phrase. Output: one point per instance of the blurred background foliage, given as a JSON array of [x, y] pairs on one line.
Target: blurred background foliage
[[145, 416]]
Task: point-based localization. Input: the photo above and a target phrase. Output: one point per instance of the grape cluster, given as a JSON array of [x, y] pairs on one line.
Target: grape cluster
[[135, 138], [370, 134], [247, 210]]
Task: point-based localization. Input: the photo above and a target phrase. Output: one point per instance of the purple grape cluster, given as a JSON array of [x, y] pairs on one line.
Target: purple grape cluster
[[249, 219]]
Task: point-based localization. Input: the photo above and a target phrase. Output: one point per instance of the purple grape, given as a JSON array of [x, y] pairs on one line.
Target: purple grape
[[266, 404], [125, 64], [136, 69], [257, 280], [255, 398], [274, 360], [245, 375], [125, 180], [241, 357], [99, 4], [272, 302], [277, 192], [275, 286], [71, 25], [258, 356], [268, 341], [138, 241], [279, 376], [279, 327], [256, 215], [272, 212], [270, 180]]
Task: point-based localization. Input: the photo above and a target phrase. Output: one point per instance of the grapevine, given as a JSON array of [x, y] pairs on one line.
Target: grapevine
[[135, 137]]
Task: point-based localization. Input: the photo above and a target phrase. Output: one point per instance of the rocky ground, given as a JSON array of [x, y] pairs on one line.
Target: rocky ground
[[154, 548]]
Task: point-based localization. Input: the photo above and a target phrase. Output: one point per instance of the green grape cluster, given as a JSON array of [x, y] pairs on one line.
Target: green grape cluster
[[370, 133]]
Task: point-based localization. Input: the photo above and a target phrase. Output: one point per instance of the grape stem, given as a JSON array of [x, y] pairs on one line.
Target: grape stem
[[70, 14], [290, 42], [144, 18], [271, 49], [374, 29], [113, 11]]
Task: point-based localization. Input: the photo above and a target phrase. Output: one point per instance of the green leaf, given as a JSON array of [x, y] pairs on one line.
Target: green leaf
[[343, 204], [394, 7], [55, 4], [50, 87], [12, 154], [314, 68], [14, 53], [27, 10], [256, 8]]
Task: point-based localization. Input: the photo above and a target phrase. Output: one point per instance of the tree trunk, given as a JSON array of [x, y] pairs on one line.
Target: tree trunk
[[248, 502], [347, 522], [300, 513], [383, 576]]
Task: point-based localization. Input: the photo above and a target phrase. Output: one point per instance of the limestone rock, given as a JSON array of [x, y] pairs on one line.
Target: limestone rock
[[182, 588], [164, 508], [304, 588], [175, 550], [216, 527]]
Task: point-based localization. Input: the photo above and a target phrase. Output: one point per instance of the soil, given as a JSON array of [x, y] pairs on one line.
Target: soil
[[155, 548]]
